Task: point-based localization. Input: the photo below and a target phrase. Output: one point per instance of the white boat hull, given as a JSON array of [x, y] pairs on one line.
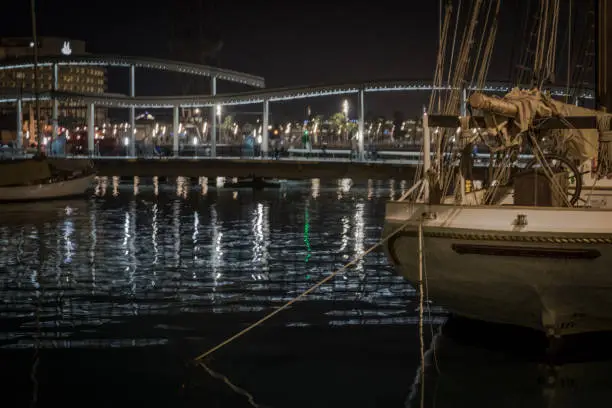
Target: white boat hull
[[553, 274], [68, 188]]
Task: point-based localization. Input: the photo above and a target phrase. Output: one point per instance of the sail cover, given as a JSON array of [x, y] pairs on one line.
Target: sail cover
[[516, 112]]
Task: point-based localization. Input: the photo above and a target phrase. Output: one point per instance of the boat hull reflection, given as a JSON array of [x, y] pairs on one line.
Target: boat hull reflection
[[508, 370]]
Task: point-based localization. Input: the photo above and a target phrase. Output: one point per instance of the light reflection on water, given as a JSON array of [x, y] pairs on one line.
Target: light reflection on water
[[147, 251]]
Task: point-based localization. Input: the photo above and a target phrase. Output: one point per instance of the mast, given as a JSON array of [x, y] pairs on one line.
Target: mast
[[36, 97], [604, 56]]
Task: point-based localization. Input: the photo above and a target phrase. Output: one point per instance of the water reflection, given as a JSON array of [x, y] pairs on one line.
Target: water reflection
[[154, 233], [118, 269], [315, 187], [217, 245], [115, 186], [473, 364], [136, 185], [344, 235], [203, 185], [261, 232], [101, 186], [93, 239], [344, 187], [359, 236]]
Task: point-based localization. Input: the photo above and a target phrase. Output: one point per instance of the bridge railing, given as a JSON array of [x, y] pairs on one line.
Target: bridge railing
[[395, 156], [381, 155]]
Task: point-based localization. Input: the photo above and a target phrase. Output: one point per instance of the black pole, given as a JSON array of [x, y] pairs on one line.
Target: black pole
[[36, 97], [603, 67]]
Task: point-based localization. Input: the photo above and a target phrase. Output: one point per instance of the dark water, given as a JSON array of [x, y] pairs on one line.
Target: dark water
[[115, 294], [106, 301]]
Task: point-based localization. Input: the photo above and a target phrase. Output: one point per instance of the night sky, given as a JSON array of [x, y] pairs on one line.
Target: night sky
[[288, 43]]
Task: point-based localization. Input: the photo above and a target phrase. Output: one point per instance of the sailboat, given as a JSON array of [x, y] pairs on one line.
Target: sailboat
[[533, 247], [40, 178]]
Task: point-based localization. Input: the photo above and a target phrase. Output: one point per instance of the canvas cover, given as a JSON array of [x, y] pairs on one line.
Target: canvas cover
[[523, 106]]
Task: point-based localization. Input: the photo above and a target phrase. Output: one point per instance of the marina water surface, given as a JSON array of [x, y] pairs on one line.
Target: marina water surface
[[106, 300]]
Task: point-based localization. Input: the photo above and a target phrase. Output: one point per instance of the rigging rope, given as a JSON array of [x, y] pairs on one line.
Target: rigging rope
[[484, 69], [452, 57], [482, 40], [439, 72], [569, 52]]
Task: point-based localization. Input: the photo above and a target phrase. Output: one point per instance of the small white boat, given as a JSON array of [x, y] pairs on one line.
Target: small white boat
[[46, 191], [44, 179]]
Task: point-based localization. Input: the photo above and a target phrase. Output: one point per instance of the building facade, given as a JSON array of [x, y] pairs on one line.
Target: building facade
[[77, 79]]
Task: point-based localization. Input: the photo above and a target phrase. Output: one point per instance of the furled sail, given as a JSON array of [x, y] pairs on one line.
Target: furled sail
[[517, 111]]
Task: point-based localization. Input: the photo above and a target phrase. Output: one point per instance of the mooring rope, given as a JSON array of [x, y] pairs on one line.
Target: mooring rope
[[303, 294], [241, 333], [421, 300], [230, 384]]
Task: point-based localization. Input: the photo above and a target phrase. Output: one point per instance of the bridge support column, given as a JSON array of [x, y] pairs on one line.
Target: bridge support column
[[361, 123], [91, 129], [213, 125], [132, 134], [463, 107], [54, 119], [175, 131], [19, 140], [264, 129]]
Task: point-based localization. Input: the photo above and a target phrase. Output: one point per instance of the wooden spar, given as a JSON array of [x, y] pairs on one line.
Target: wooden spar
[[568, 122], [481, 101]]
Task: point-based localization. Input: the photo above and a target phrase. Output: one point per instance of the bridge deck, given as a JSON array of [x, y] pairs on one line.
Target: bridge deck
[[283, 168]]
